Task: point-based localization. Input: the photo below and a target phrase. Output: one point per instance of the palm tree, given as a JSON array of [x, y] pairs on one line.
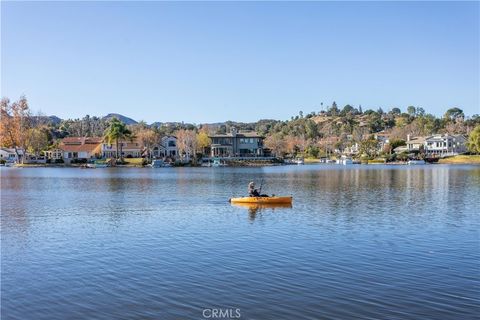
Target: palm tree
[[117, 131]]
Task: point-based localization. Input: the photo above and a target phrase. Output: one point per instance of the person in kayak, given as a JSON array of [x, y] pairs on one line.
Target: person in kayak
[[252, 192]]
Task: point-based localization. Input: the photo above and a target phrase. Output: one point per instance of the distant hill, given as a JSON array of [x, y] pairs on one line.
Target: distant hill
[[120, 117], [54, 120]]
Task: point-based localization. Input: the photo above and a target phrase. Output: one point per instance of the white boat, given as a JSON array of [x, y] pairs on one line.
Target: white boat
[[97, 164], [416, 162], [344, 160], [218, 163], [159, 164], [299, 161]]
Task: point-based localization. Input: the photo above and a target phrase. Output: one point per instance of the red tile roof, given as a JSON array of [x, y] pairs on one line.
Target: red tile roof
[[81, 144]]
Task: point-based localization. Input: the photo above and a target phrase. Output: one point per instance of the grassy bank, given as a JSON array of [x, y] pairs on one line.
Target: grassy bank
[[30, 165], [461, 159], [132, 162], [311, 160]]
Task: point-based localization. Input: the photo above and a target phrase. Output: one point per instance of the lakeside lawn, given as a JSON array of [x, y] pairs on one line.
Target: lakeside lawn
[[133, 161], [461, 159], [311, 160]]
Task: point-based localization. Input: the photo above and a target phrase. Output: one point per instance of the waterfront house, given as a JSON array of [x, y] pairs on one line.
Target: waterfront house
[[9, 154], [80, 148], [414, 144], [445, 145], [237, 144], [400, 149], [54, 154], [383, 139], [352, 149], [170, 145], [167, 148], [129, 149], [34, 159]]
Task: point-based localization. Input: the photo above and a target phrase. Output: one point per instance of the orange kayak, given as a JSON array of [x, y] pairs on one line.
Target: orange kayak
[[262, 200], [256, 206]]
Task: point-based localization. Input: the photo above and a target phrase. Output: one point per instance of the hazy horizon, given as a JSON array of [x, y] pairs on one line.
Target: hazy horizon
[[207, 62]]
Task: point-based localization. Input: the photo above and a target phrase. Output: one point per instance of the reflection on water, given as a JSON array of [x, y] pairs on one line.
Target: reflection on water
[[360, 242], [254, 208]]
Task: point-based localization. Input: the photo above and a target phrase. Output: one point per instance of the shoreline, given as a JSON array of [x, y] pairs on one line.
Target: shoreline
[[460, 159], [20, 166]]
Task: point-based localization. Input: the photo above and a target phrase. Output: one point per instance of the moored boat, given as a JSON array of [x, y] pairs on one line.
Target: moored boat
[[415, 162], [344, 160], [96, 164], [158, 163], [299, 161], [218, 163], [262, 200]]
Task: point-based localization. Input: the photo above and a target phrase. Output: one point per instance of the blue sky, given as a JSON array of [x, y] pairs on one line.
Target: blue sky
[[216, 61]]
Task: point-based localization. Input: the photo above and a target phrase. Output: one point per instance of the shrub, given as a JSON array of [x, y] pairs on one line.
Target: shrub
[[390, 157], [403, 156], [59, 161]]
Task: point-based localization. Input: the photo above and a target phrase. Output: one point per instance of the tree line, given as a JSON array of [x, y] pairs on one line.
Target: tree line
[[311, 135], [20, 129]]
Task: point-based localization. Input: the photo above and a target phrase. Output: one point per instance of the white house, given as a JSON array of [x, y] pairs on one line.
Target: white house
[[414, 143], [353, 148], [9, 154], [167, 148], [170, 145], [445, 145], [383, 139]]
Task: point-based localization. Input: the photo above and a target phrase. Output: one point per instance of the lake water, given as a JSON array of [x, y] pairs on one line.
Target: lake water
[[360, 242]]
